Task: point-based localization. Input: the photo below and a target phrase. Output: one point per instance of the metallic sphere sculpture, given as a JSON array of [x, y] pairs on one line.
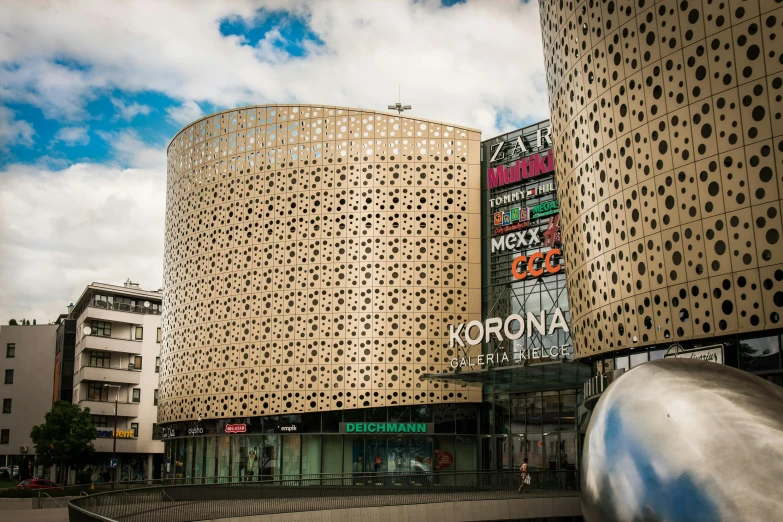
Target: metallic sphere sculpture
[[685, 440]]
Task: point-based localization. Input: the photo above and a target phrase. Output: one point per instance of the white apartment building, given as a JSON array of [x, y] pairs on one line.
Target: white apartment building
[[26, 368], [117, 357]]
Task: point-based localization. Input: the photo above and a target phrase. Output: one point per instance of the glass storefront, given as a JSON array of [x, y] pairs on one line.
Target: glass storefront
[[262, 452]]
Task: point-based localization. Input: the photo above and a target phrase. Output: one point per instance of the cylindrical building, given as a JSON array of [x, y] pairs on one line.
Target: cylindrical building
[[668, 136], [314, 258]]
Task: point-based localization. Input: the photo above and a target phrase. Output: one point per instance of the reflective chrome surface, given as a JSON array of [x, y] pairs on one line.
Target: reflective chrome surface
[[685, 440]]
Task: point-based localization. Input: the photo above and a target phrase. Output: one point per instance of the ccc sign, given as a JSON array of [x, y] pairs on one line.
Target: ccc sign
[[537, 264]]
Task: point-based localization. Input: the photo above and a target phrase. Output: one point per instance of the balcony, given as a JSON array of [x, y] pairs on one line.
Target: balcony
[[111, 344], [125, 307], [124, 409], [109, 375]]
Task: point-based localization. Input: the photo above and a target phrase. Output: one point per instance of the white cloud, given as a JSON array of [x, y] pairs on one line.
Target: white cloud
[[13, 131], [466, 64], [128, 148], [61, 229], [130, 110], [72, 136], [185, 113]]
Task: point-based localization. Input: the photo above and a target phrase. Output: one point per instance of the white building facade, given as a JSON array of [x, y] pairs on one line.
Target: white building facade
[[117, 358], [26, 367]]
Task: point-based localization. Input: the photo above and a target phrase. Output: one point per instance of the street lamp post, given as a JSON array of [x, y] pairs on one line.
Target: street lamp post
[[114, 433]]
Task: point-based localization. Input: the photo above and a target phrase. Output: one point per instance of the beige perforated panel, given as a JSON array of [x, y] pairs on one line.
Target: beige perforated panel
[[669, 151], [314, 258]]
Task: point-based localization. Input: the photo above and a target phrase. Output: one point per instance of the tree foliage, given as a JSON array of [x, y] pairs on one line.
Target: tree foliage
[[12, 322], [65, 437]]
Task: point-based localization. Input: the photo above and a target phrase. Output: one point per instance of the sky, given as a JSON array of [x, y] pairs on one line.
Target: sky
[[92, 92]]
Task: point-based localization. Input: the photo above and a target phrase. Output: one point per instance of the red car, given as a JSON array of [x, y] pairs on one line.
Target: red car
[[39, 484]]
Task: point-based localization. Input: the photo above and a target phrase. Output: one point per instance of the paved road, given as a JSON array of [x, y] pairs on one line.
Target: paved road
[[35, 515]]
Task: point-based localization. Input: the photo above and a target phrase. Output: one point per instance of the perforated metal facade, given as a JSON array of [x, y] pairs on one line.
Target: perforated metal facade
[[314, 258], [668, 145]]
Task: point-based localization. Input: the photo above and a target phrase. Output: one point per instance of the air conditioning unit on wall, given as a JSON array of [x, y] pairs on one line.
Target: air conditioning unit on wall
[[23, 449]]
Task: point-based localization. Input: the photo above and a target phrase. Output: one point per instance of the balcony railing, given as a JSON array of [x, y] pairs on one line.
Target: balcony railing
[[194, 499], [124, 307]]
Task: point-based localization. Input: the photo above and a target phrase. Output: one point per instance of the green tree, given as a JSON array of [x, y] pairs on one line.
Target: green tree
[[33, 322], [65, 438], [12, 322]]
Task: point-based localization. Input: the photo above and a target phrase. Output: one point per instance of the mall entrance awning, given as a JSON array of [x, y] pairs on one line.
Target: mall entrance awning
[[545, 376]]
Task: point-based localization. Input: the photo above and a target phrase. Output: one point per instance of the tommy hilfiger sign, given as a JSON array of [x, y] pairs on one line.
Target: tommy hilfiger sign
[[522, 194]]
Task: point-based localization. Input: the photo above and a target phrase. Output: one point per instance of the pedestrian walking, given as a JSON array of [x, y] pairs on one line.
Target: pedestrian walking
[[524, 478]]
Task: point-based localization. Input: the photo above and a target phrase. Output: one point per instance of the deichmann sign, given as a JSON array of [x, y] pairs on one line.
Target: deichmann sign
[[386, 427], [708, 353], [522, 169], [538, 264], [503, 329], [553, 352]]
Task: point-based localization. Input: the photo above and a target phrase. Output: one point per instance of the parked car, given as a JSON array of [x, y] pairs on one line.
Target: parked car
[[39, 484], [12, 472]]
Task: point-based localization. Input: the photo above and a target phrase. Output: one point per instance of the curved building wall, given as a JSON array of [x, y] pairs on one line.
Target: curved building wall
[[314, 257], [668, 147]]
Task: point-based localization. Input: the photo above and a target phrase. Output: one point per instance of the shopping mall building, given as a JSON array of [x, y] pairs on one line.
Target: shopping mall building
[[352, 291]]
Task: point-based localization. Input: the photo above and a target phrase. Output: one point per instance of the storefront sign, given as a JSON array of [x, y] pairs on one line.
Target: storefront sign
[[167, 433], [445, 459], [522, 169], [510, 148], [516, 240], [476, 332], [538, 264], [522, 194], [287, 428], [386, 427], [108, 433], [552, 232], [198, 430], [524, 215], [236, 428], [552, 352], [545, 209], [708, 353]]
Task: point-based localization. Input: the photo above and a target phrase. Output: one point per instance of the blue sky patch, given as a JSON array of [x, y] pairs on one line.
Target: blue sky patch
[[294, 30]]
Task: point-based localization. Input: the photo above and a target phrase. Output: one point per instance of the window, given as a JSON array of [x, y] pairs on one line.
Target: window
[[6, 405], [137, 362], [96, 392], [155, 397], [139, 333], [159, 334], [101, 328], [157, 364], [136, 394], [5, 436], [135, 428], [100, 359], [10, 349], [100, 421], [9, 376]]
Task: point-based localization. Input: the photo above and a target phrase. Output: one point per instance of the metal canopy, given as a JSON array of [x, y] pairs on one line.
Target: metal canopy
[[547, 376]]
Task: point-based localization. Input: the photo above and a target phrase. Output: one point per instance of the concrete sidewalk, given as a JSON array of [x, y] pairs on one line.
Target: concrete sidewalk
[[35, 515]]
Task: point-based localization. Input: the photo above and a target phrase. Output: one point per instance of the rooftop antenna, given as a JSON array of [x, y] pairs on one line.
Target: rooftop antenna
[[399, 107]]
